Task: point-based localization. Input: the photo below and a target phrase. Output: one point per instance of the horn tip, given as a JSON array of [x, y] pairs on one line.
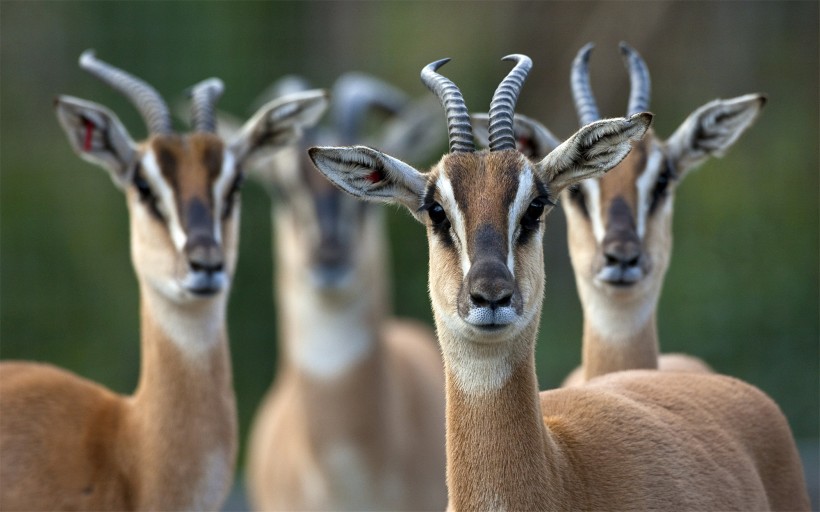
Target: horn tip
[[626, 50], [433, 66], [88, 57], [585, 51], [516, 57]]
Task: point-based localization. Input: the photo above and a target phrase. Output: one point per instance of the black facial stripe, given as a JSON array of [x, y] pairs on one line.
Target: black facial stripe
[[488, 243], [620, 218], [659, 191], [197, 217]]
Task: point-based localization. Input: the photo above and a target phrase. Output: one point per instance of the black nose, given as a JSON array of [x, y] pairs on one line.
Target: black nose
[[490, 284], [623, 252], [204, 254]]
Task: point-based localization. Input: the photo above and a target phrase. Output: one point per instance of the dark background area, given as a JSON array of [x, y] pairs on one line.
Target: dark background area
[[742, 291]]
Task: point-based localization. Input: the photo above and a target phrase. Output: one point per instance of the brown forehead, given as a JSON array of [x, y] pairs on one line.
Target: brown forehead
[[621, 180], [484, 184], [190, 163]]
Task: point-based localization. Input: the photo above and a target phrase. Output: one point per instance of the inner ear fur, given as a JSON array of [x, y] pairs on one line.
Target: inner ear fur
[[593, 150], [98, 136], [711, 130], [370, 174]]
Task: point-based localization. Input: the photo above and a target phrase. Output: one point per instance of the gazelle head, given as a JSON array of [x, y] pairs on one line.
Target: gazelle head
[[332, 240], [619, 225], [483, 209], [182, 190]]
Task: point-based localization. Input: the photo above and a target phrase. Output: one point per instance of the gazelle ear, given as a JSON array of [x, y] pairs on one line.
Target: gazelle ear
[[416, 133], [711, 130], [532, 138], [277, 124], [593, 150], [97, 135], [370, 174]]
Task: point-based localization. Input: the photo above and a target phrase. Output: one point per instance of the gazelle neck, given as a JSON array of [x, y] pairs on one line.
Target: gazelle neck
[[619, 334], [184, 407], [497, 446], [326, 332]]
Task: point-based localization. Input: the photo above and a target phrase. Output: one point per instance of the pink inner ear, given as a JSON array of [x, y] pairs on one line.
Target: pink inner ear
[[375, 176], [89, 132]]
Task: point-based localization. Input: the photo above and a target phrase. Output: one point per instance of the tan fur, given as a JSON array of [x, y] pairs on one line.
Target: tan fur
[[634, 440], [603, 351], [631, 440], [69, 444], [370, 437]]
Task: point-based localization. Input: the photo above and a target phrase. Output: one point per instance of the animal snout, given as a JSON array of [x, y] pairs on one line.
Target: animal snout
[[490, 285], [204, 255]]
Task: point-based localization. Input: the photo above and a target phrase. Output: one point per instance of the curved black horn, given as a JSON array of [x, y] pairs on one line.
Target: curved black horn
[[143, 96], [502, 107], [581, 89], [459, 129], [204, 96], [353, 95], [639, 83]]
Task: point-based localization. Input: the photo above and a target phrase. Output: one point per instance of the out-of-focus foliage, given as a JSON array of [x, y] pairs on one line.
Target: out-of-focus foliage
[[742, 292]]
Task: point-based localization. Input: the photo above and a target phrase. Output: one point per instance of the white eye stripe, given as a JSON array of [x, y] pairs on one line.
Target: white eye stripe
[[592, 194], [220, 186], [519, 205], [165, 194], [445, 189], [645, 185]]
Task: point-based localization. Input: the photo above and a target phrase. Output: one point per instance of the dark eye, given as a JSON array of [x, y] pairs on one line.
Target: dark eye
[[147, 196], [437, 214], [532, 216], [576, 196], [230, 198]]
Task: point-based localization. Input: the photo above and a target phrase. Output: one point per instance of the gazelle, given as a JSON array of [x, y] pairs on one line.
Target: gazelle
[[632, 440], [70, 444], [620, 225], [355, 418]]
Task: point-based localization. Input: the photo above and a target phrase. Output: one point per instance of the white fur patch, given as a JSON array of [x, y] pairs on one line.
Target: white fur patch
[[196, 330], [592, 191], [225, 180], [644, 186], [329, 342], [616, 321], [211, 487], [165, 195], [520, 204], [445, 189]]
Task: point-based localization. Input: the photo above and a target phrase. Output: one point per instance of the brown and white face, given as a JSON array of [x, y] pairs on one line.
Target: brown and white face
[[329, 234], [184, 207], [483, 210], [620, 225], [328, 239], [182, 190]]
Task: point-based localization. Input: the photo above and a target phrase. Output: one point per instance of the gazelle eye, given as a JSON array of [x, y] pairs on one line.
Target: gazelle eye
[[532, 216], [437, 214]]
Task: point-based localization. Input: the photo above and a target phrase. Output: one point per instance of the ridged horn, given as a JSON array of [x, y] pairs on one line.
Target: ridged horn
[[204, 96], [640, 86], [353, 95], [502, 107], [459, 129], [144, 97], [585, 104]]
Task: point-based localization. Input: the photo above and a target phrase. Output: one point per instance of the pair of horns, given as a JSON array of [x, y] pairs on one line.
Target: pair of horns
[[502, 106], [639, 84], [150, 104]]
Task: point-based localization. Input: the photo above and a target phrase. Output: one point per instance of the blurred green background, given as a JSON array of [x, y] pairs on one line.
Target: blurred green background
[[742, 292]]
